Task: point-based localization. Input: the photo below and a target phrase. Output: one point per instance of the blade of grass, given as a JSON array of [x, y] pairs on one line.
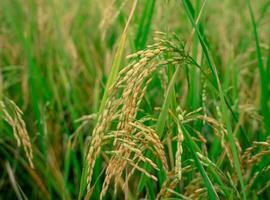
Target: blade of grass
[[13, 181], [145, 24], [165, 107], [117, 60], [193, 149], [226, 115], [263, 76], [268, 63]]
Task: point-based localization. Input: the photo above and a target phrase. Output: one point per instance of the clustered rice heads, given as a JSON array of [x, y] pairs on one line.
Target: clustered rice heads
[[174, 176], [12, 114], [131, 137], [251, 158]]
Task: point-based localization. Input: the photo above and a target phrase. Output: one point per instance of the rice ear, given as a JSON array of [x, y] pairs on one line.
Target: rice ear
[[124, 97], [12, 114]]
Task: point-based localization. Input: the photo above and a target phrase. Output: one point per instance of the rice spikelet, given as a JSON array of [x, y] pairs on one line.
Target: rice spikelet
[[13, 116]]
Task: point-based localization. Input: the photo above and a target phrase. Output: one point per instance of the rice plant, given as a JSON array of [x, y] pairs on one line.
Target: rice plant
[[134, 99]]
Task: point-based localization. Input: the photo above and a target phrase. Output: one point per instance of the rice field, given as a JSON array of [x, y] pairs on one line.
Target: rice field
[[134, 99]]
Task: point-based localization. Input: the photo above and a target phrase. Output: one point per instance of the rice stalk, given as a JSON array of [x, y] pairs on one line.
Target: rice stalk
[[131, 83], [13, 116]]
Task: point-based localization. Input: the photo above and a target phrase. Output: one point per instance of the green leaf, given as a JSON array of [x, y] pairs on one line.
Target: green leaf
[[193, 149], [224, 107], [263, 75], [145, 24]]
